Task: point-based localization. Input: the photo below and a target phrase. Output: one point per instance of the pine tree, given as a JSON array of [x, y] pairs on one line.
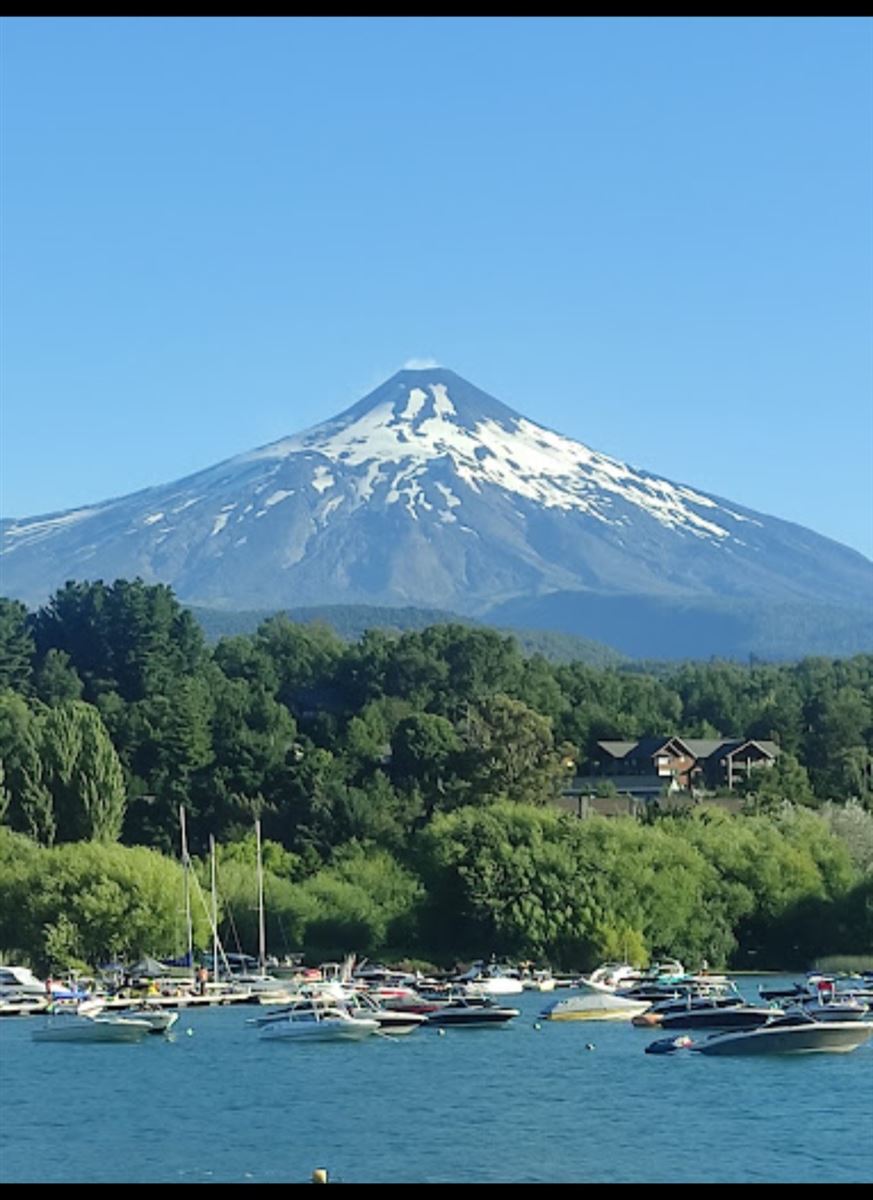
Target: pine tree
[[16, 647]]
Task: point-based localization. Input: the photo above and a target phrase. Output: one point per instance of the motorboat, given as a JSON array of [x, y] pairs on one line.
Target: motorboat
[[401, 998], [539, 981], [723, 1009], [273, 996], [160, 1020], [361, 1005], [19, 982], [790, 1034], [608, 977], [88, 1027], [15, 1005], [317, 1020], [658, 981], [394, 1021], [794, 1032], [594, 1006], [837, 1007], [667, 990], [491, 979], [813, 985], [470, 1011], [738, 1015]]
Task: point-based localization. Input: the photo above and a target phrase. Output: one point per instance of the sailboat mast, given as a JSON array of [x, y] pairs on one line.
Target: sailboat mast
[[262, 939], [214, 911], [186, 867]]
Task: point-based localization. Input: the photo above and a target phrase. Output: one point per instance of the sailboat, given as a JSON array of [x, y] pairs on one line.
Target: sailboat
[[214, 992], [186, 868], [263, 987]]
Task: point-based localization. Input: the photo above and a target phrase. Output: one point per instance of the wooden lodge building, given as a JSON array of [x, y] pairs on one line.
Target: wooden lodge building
[[671, 770]]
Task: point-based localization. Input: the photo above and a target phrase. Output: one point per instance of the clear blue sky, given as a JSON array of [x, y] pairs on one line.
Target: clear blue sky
[[653, 235]]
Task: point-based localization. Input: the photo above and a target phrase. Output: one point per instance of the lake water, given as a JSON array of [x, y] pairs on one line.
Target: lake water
[[514, 1104]]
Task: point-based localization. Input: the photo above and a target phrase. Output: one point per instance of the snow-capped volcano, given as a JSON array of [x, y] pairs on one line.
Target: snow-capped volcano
[[400, 431], [429, 491]]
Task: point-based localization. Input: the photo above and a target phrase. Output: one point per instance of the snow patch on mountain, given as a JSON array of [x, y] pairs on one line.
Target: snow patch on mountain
[[222, 519], [322, 479], [277, 497], [27, 532], [416, 402], [187, 503], [513, 454]]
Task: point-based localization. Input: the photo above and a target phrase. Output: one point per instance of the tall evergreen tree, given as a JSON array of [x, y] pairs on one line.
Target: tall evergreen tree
[[16, 647], [56, 680], [131, 638]]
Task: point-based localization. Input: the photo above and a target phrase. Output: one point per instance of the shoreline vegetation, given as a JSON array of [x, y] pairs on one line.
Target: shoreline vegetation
[[408, 790]]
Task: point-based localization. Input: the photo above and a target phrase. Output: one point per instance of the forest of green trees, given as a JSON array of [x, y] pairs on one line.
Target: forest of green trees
[[404, 786]]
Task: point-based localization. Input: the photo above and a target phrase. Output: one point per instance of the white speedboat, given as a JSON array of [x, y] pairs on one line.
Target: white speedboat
[[539, 981], [316, 1020], [790, 1033], [19, 982], [609, 978], [80, 1027], [21, 1006], [160, 1020], [491, 979], [594, 1006]]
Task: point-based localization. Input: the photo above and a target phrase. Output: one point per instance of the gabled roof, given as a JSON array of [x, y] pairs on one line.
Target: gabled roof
[[697, 748], [770, 749], [647, 747], [616, 749], [706, 747]]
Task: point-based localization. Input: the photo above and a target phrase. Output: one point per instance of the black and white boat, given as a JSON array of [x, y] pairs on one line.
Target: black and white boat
[[718, 1016], [697, 1008], [794, 1032], [471, 1011], [393, 1021]]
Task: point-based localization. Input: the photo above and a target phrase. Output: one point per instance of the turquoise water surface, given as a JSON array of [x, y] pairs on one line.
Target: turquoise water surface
[[515, 1104]]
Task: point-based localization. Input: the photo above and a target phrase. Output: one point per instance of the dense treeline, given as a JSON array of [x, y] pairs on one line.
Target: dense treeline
[[403, 782], [351, 621]]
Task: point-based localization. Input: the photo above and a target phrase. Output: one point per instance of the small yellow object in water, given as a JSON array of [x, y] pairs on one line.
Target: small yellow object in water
[[319, 1175]]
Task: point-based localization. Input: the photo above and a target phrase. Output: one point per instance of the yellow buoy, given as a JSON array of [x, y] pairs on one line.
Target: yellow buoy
[[319, 1175]]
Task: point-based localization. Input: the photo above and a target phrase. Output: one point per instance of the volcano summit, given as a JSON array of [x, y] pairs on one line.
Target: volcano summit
[[430, 492]]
